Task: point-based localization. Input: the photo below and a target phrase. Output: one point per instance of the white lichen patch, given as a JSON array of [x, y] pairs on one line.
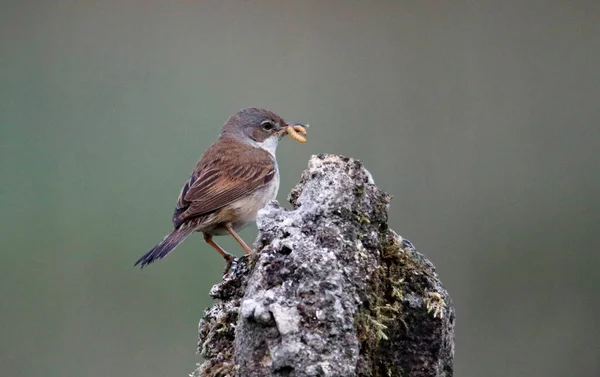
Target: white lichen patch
[[286, 318]]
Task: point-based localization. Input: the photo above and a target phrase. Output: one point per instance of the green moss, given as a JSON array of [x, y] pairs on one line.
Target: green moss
[[383, 312], [252, 259], [378, 328], [435, 304], [221, 327], [359, 191], [363, 219], [226, 369], [390, 252], [397, 289]]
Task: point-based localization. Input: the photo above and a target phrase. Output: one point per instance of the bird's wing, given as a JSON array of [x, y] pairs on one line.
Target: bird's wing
[[227, 175]]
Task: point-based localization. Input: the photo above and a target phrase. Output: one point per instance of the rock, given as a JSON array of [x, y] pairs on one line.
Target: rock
[[330, 290]]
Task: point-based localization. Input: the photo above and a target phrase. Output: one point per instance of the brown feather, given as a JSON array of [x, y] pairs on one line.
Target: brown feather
[[227, 171]]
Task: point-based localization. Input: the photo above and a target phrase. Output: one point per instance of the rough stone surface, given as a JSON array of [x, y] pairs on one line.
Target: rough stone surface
[[330, 291]]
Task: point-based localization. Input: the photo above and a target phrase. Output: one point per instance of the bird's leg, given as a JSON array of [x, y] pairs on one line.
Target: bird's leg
[[238, 238], [228, 257]]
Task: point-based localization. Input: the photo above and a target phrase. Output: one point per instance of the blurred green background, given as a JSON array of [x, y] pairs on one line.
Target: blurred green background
[[480, 117]]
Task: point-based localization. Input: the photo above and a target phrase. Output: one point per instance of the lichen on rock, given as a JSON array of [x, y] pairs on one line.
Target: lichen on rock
[[330, 290]]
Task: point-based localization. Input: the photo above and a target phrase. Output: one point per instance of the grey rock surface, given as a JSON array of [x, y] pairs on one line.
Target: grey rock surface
[[330, 290]]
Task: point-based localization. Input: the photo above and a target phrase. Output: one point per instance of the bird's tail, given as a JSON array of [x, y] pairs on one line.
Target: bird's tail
[[168, 244]]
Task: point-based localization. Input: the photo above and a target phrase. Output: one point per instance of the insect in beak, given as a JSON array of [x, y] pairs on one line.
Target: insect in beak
[[297, 132]]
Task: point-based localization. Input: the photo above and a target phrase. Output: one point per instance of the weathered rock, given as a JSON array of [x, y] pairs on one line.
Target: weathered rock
[[330, 291]]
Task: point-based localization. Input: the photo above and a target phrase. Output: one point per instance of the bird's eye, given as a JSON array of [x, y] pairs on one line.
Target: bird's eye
[[267, 125]]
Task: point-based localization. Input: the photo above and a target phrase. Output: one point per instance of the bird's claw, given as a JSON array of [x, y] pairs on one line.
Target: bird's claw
[[229, 264]]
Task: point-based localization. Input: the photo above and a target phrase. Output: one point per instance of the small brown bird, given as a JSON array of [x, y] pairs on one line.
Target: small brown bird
[[235, 177]]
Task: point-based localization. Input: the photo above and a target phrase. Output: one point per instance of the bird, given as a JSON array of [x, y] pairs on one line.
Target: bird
[[235, 177]]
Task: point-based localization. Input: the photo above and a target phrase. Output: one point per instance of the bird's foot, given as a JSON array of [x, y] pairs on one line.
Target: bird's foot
[[230, 261]]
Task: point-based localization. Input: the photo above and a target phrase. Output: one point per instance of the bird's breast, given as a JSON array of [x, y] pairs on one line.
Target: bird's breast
[[245, 209]]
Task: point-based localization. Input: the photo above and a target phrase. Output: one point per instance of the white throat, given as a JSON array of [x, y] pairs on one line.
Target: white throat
[[269, 144]]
